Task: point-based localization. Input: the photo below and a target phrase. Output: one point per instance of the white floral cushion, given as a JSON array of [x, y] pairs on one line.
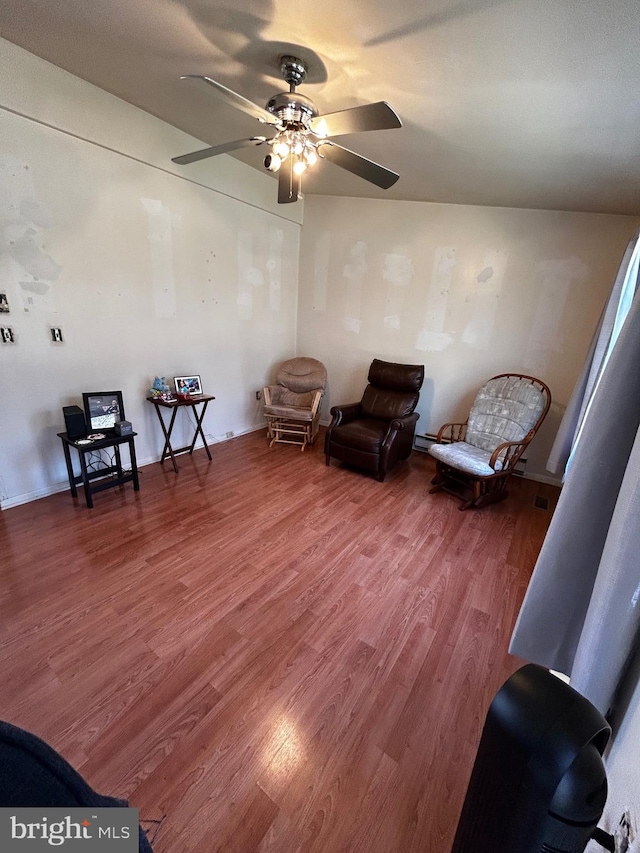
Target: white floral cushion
[[505, 409], [465, 457]]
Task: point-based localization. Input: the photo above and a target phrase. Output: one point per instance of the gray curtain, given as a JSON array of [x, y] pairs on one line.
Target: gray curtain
[[581, 613], [577, 405]]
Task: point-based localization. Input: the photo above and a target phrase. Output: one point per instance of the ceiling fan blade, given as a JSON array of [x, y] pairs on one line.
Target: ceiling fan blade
[[378, 116], [288, 183], [203, 153], [352, 162], [235, 99]]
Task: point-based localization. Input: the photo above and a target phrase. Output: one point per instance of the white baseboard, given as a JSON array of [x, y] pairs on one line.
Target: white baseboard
[[26, 498], [37, 494], [543, 478]]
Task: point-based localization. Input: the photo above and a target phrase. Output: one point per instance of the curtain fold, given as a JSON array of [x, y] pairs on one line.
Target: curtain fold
[[577, 405], [581, 613], [612, 623]]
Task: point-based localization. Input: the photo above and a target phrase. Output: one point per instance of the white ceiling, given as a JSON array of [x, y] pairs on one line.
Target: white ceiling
[[517, 103]]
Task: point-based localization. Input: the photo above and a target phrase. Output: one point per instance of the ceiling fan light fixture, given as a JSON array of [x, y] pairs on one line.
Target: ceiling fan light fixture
[[272, 162], [310, 156], [295, 144], [281, 148]]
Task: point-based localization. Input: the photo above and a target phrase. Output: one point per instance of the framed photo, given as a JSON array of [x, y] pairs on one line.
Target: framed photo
[[102, 409], [188, 385]]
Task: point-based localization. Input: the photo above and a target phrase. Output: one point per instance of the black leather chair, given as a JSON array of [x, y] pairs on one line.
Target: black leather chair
[[34, 775], [377, 432]]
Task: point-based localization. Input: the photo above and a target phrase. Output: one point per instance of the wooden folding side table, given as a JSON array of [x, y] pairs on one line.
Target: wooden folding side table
[[174, 405]]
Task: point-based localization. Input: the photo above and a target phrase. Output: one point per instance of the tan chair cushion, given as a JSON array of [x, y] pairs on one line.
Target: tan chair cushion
[[289, 412], [281, 396], [302, 374]]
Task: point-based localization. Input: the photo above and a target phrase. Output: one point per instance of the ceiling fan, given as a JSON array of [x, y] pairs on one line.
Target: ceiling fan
[[301, 135]]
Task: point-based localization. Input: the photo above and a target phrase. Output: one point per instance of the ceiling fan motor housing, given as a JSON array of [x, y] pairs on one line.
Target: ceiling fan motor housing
[[292, 108]]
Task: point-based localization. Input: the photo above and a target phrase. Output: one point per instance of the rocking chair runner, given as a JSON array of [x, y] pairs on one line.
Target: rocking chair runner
[[481, 454]]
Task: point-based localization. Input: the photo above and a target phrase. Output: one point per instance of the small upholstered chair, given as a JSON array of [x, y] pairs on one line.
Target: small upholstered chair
[[292, 406], [377, 432], [475, 459]]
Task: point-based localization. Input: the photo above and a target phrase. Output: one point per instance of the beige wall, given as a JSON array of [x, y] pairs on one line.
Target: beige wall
[[467, 291], [149, 269]]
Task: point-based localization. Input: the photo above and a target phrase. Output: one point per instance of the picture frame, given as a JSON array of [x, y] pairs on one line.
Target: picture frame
[[102, 409], [191, 385]]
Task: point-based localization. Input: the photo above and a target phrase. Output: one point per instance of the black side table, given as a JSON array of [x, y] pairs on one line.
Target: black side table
[[103, 476], [174, 405]]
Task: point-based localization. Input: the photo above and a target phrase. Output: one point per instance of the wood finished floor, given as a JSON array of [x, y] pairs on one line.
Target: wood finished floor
[[278, 656]]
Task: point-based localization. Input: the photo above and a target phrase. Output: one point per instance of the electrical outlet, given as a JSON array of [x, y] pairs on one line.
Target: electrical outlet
[[7, 335], [230, 435], [56, 335], [258, 395]]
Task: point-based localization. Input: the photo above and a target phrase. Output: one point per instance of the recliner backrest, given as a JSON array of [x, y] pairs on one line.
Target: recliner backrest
[[393, 390], [505, 409], [396, 377]]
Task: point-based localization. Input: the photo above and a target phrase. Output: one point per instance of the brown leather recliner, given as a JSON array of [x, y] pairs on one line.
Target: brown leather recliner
[[377, 432]]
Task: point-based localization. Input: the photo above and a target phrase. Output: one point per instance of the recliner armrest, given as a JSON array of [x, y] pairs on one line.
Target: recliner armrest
[[399, 424], [404, 423], [346, 413]]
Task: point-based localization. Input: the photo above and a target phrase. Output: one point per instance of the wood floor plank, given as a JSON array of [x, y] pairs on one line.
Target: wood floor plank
[[272, 654]]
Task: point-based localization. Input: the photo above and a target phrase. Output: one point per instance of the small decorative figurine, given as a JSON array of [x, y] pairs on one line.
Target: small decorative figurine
[[159, 388]]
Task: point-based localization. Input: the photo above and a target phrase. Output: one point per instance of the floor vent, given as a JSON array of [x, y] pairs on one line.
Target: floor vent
[[540, 502]]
